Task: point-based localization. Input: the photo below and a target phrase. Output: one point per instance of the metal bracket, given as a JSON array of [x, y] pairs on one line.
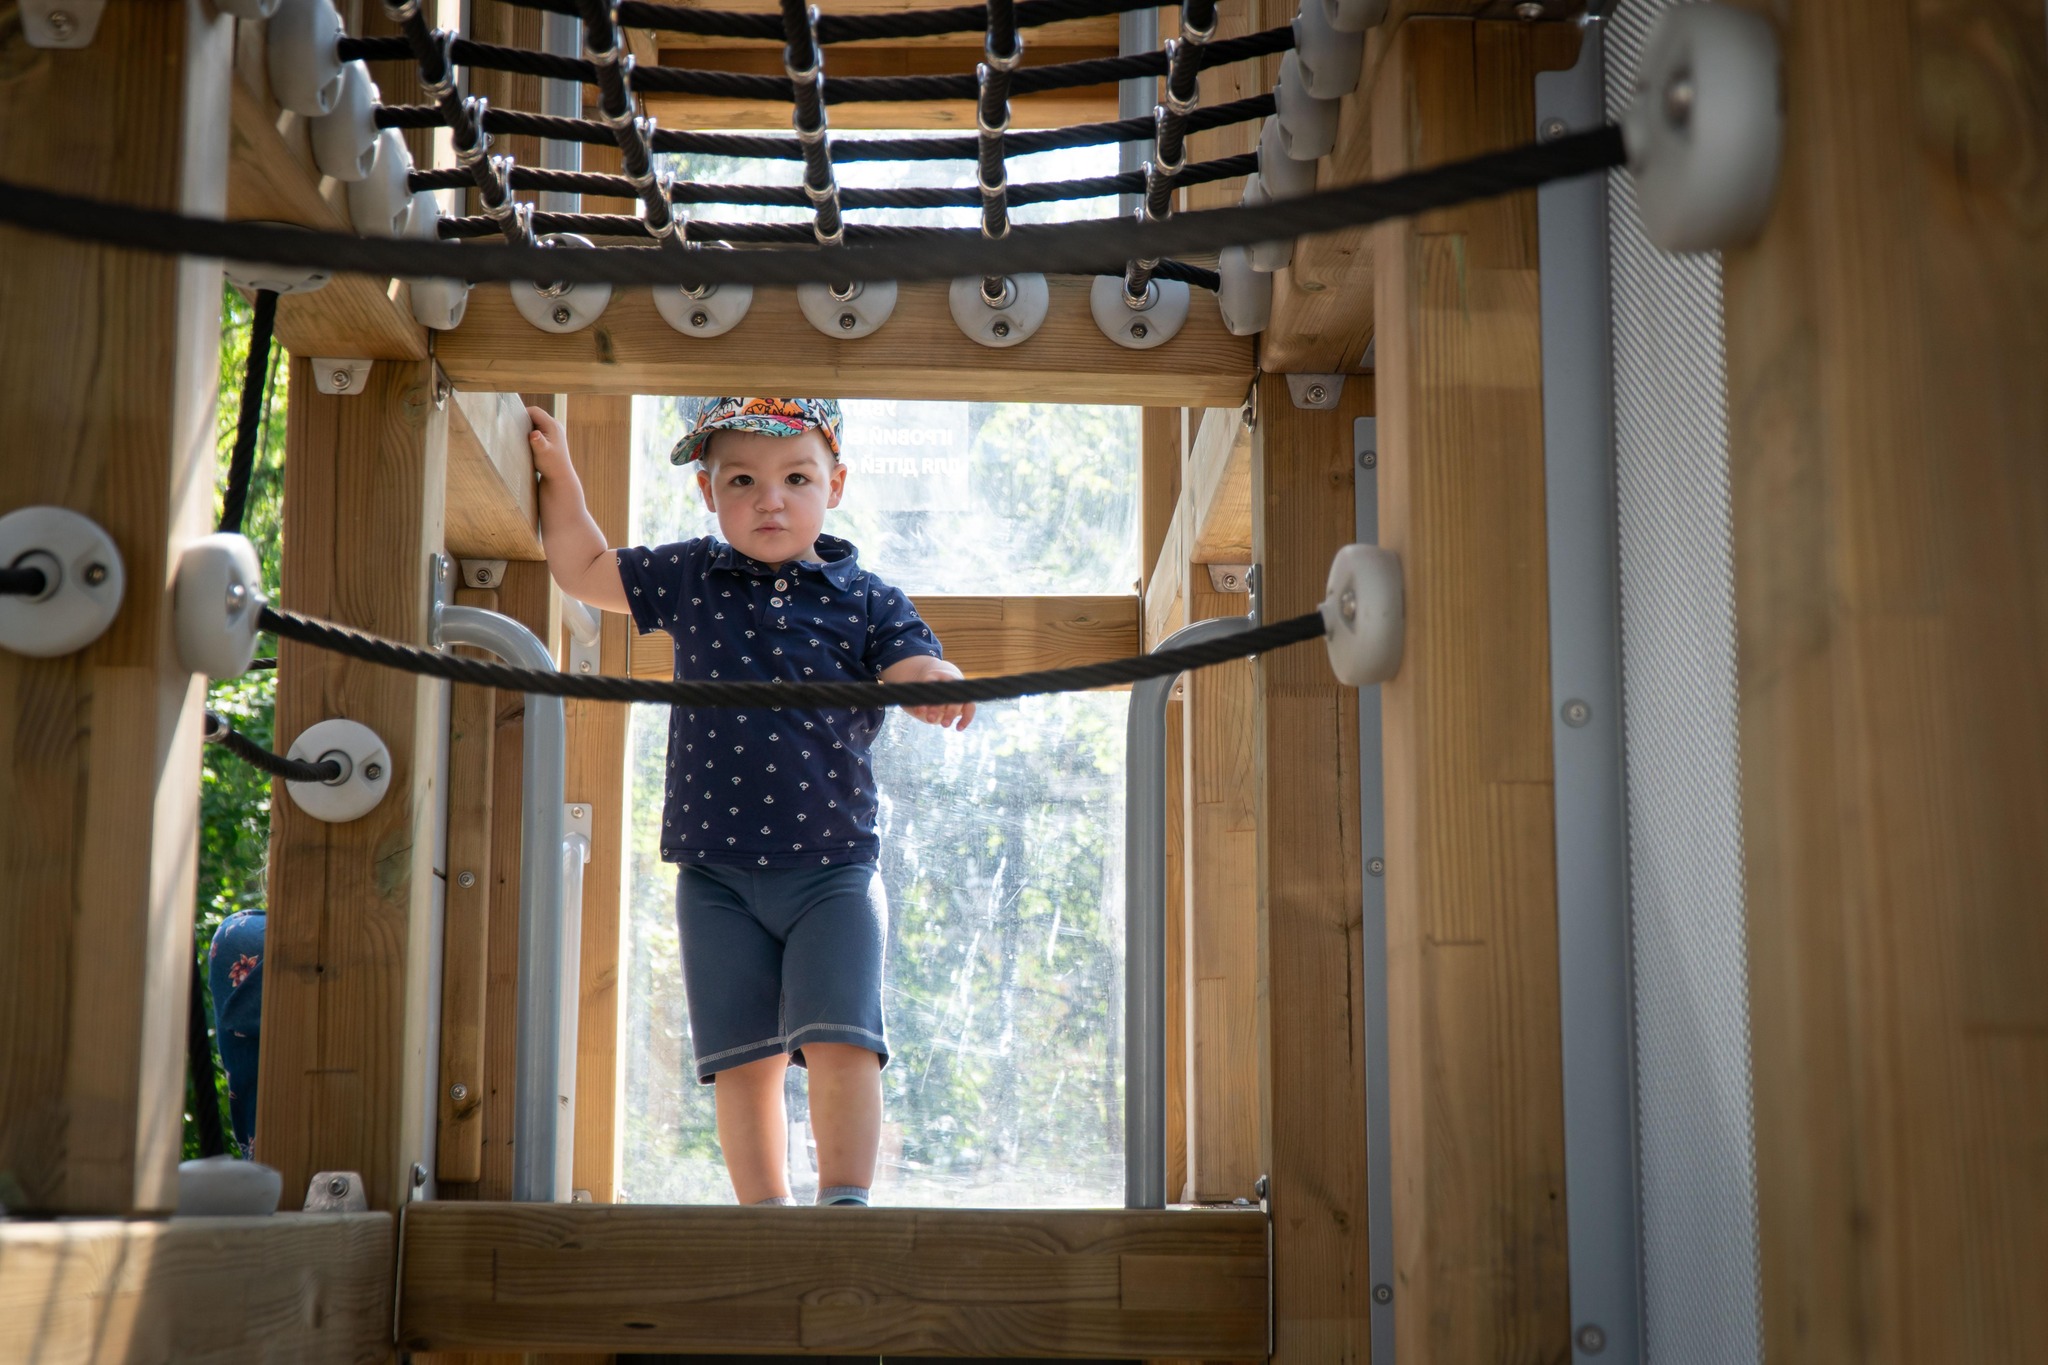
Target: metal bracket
[[336, 1192], [1264, 1190], [1315, 392], [1254, 609], [340, 375], [440, 592], [61, 24], [576, 820], [1230, 577], [586, 636], [483, 573]]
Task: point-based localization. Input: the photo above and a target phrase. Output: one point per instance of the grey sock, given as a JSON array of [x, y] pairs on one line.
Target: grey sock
[[776, 1201], [843, 1194]]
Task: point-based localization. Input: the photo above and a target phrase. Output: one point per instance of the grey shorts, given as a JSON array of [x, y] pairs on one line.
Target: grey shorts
[[776, 958]]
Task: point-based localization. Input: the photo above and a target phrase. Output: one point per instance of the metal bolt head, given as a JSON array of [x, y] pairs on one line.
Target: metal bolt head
[[1262, 1187], [238, 595], [465, 880], [373, 771], [1383, 1293], [1529, 9], [340, 379], [337, 1185], [458, 1092], [1553, 129], [847, 322], [1230, 581], [576, 812], [1376, 867], [700, 318], [1001, 328], [1347, 606], [1317, 393], [419, 1176], [95, 574], [1591, 1339], [1368, 459], [61, 25], [442, 388], [1679, 97], [583, 665], [483, 577], [1139, 331], [1575, 713], [561, 316]]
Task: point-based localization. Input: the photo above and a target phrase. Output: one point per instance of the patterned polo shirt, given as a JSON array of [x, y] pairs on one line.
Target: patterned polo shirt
[[779, 786]]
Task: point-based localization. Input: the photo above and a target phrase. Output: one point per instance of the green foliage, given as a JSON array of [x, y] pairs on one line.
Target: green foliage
[[234, 799]]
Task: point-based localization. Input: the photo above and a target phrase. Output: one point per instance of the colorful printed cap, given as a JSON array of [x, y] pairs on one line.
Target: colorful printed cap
[[769, 416]]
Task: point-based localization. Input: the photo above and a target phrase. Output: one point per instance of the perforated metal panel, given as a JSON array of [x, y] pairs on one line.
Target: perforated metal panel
[[1696, 1138]]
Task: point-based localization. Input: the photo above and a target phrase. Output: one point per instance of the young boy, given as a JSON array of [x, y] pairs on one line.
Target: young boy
[[770, 813]]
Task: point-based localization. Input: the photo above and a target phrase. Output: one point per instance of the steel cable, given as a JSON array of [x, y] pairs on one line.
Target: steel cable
[[843, 28], [219, 731]]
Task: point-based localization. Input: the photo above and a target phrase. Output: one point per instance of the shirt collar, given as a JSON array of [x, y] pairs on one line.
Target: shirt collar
[[838, 560]]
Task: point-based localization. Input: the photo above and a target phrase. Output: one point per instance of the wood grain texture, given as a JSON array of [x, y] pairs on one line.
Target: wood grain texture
[[1887, 427], [466, 923], [1310, 897], [312, 1288], [601, 434], [986, 636], [493, 509], [1477, 1111], [1159, 461], [1065, 1283], [107, 381], [1223, 84], [345, 1005], [1166, 590], [272, 177], [919, 353], [1219, 489], [1219, 912]]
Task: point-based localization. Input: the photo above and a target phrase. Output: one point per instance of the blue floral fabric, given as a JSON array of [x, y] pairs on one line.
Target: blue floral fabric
[[235, 977]]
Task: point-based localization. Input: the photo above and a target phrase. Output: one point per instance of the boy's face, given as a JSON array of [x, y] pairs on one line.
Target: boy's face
[[770, 493]]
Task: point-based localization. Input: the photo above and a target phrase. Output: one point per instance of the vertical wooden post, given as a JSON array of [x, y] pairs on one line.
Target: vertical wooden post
[[1888, 427], [1220, 910], [351, 905], [601, 438], [108, 365], [1477, 1107], [466, 928], [1311, 906]]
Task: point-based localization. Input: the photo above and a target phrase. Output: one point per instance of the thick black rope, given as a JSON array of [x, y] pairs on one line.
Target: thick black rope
[[778, 148], [219, 731], [843, 28], [307, 630], [23, 582], [605, 47], [676, 80], [433, 53], [1185, 58], [249, 421], [803, 62], [1067, 248]]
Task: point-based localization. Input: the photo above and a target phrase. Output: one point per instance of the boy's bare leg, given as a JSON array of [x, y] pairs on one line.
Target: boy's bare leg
[[753, 1129], [846, 1112]]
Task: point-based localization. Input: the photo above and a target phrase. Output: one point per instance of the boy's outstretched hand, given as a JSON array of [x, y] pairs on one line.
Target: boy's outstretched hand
[[925, 668], [550, 445]]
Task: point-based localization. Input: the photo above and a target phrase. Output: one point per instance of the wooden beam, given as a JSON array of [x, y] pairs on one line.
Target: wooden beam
[[1223, 84], [1310, 901], [1477, 1104], [989, 635], [601, 435], [312, 1288], [272, 178], [493, 510], [466, 923], [107, 380], [978, 1283], [352, 905], [1159, 461], [1219, 489], [1886, 427], [1166, 597], [918, 354]]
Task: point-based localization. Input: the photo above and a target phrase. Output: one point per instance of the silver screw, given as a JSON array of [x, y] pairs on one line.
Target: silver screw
[[95, 574], [338, 1186], [576, 812], [465, 880], [483, 577], [700, 318], [1376, 867], [373, 771], [1347, 605], [1317, 393], [1553, 129], [341, 379], [583, 665], [1679, 97], [1139, 331], [1001, 328], [419, 1176], [238, 594], [1230, 580], [1592, 1340], [562, 316], [847, 322], [1383, 1293], [1529, 9], [442, 388], [62, 25], [1368, 459], [458, 1092], [1576, 713]]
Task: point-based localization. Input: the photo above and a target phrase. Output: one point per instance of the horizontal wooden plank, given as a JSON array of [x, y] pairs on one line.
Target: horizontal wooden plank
[[493, 511], [990, 635], [309, 1288], [1047, 1283], [918, 353], [1219, 489]]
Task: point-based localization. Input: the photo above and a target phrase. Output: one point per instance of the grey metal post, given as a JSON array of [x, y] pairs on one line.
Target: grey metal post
[[537, 1065], [562, 36], [1145, 923], [1595, 993], [1136, 31]]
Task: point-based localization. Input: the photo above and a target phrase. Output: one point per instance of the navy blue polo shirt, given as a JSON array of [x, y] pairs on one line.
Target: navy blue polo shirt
[[781, 786]]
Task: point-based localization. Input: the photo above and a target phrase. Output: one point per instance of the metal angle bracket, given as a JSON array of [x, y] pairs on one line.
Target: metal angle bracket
[[576, 817], [1229, 577], [340, 375], [1315, 392], [483, 573], [66, 24], [336, 1192]]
